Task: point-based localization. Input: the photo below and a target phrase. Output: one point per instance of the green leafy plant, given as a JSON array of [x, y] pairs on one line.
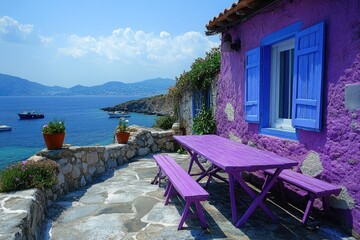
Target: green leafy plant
[[29, 174], [54, 126], [204, 122], [203, 71], [122, 125], [165, 122], [181, 150]]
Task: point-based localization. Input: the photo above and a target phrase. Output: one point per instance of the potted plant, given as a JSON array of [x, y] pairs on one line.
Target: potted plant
[[121, 131], [54, 134]]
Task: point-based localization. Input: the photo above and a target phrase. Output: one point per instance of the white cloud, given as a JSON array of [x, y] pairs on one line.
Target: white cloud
[[12, 30], [128, 46], [46, 40]]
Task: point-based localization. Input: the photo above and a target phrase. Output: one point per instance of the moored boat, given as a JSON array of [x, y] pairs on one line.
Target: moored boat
[[118, 114], [30, 115], [4, 127]]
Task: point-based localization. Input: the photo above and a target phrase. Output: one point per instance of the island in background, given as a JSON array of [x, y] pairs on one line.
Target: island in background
[[157, 105]]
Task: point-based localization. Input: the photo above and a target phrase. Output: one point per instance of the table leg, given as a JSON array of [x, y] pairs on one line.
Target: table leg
[[232, 198], [196, 160], [257, 198]]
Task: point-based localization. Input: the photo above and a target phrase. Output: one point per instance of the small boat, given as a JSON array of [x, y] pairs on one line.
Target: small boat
[[4, 127], [30, 115], [118, 114]]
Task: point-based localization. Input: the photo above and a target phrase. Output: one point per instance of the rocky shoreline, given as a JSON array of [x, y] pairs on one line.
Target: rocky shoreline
[[156, 105]]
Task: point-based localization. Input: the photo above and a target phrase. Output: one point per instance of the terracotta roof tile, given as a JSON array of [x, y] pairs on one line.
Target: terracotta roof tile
[[239, 11]]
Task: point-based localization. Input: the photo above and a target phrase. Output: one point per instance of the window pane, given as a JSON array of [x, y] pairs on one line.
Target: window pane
[[285, 83]]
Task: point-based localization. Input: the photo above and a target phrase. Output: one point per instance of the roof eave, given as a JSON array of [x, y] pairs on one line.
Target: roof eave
[[239, 12]]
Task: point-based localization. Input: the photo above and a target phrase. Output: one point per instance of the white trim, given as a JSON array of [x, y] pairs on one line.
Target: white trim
[[275, 121]]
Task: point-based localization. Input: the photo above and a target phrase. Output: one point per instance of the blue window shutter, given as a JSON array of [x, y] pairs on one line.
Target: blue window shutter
[[208, 98], [252, 85], [308, 78], [196, 102]]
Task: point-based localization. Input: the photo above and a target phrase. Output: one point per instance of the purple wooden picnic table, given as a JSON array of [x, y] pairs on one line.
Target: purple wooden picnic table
[[234, 158]]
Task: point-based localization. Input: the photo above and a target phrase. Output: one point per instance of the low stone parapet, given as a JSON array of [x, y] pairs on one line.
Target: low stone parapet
[[22, 212]]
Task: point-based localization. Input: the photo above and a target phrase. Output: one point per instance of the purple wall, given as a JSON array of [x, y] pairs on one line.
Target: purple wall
[[338, 143]]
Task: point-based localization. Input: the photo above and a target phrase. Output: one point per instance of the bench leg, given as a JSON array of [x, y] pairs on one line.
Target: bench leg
[[200, 214], [308, 207], [168, 192], [282, 191], [280, 187], [167, 189], [157, 176], [326, 204], [184, 215]]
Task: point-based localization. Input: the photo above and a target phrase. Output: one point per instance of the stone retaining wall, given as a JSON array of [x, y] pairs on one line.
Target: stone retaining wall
[[79, 166]]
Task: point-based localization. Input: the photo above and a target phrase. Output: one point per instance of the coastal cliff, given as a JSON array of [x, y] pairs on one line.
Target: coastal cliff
[[158, 105]]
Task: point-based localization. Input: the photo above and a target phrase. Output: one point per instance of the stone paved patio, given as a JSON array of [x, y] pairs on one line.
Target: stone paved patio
[[124, 205]]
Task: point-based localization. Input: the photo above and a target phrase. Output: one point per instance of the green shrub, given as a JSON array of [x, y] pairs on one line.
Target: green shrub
[[204, 122], [29, 174], [202, 73], [164, 122]]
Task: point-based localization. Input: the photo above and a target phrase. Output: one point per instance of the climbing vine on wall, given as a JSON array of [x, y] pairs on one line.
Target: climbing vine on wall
[[202, 72]]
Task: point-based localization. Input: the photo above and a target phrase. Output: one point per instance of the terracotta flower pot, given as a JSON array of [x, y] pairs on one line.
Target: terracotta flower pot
[[54, 141], [122, 137]]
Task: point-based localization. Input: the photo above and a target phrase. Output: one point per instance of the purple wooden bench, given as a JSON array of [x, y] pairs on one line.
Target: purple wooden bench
[[314, 187], [184, 185]]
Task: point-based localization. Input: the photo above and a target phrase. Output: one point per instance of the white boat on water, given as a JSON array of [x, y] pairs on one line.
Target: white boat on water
[[118, 114], [4, 128]]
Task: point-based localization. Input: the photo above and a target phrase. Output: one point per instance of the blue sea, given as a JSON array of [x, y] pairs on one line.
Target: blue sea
[[85, 123]]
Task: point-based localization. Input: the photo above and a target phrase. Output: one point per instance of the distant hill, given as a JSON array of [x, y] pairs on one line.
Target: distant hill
[[15, 86]]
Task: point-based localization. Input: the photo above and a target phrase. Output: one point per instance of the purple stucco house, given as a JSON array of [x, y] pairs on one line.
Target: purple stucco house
[[290, 83]]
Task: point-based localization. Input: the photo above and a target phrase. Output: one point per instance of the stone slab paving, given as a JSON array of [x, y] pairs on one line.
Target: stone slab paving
[[124, 205]]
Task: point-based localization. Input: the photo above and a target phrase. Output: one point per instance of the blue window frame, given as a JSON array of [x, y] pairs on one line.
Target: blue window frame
[[305, 87], [198, 99]]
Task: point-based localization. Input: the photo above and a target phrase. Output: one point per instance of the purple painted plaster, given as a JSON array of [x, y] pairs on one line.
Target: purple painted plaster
[[338, 143]]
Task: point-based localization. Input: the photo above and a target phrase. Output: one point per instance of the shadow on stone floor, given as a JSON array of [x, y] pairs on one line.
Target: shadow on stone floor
[[124, 205]]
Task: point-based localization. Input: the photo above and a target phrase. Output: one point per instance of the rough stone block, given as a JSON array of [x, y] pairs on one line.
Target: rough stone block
[[143, 151], [92, 170], [106, 155], [78, 154], [62, 161], [100, 170], [140, 142], [343, 201], [130, 153], [150, 140], [82, 181], [154, 148], [61, 178], [66, 169], [111, 163], [92, 158], [120, 160], [84, 168], [234, 137], [352, 96], [155, 134], [229, 110], [75, 172], [312, 165]]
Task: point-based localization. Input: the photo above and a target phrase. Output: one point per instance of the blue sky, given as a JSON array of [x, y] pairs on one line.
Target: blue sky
[[91, 42]]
